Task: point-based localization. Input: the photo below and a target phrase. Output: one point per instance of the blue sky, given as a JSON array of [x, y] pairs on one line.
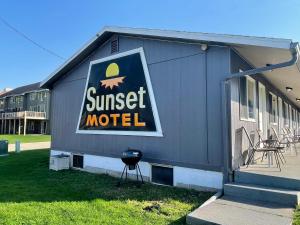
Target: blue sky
[[65, 25]]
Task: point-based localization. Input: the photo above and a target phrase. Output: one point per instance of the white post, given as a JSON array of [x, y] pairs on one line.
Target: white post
[[19, 128], [18, 146], [25, 123]]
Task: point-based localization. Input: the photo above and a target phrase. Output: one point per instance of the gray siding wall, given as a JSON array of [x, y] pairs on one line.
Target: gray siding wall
[[190, 113], [238, 63]]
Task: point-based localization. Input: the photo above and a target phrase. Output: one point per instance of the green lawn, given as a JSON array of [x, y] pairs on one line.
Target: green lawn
[[297, 216], [25, 139], [32, 194]]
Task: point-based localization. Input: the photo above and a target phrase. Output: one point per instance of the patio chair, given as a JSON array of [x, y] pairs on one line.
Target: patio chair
[[281, 144], [274, 144], [284, 142], [264, 150], [294, 137], [260, 140]]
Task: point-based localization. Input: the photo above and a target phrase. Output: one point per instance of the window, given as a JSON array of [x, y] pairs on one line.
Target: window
[[32, 96], [12, 100], [286, 114], [280, 113], [247, 98], [273, 108], [40, 96], [32, 125], [162, 175], [77, 161], [18, 99], [293, 118], [42, 108], [290, 113]]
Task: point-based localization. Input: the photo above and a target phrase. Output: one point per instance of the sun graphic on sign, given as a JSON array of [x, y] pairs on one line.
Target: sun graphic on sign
[[112, 75]]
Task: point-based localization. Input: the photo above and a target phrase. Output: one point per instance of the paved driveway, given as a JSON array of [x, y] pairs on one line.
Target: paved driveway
[[30, 146]]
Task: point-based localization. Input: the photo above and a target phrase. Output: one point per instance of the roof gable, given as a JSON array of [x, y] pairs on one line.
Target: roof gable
[[107, 32], [21, 90]]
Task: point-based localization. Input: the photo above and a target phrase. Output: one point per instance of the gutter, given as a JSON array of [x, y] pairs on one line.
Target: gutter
[[294, 49], [226, 114]]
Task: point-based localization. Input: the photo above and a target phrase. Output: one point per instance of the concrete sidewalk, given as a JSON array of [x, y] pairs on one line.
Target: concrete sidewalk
[[30, 146], [237, 211], [258, 195]]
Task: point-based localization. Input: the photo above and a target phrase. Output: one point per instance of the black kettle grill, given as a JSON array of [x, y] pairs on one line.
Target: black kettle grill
[[131, 158]]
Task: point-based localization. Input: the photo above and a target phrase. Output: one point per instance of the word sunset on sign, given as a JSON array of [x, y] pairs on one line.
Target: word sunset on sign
[[118, 98]]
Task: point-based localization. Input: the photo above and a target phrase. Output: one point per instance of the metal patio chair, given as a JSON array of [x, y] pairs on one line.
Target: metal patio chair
[[265, 150], [273, 143], [281, 144], [294, 137], [291, 138]]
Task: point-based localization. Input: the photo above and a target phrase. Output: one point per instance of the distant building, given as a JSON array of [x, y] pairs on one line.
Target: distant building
[[25, 110]]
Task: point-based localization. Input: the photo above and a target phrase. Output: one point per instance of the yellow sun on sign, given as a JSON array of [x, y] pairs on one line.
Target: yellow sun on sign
[[112, 71]]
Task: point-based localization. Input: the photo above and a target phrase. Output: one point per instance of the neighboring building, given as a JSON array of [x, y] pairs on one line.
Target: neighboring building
[[179, 97], [25, 110]]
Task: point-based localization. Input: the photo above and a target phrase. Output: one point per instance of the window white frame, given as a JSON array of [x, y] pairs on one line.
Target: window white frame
[[32, 96], [280, 113], [275, 107], [294, 118], [290, 117], [286, 120], [247, 118]]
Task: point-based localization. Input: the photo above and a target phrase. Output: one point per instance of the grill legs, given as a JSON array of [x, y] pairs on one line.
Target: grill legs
[[137, 170], [140, 173]]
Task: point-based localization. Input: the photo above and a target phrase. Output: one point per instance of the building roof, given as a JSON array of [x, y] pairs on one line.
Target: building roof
[[195, 37], [257, 51], [22, 90]]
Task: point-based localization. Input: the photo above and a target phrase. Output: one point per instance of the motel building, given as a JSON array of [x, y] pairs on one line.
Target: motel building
[[185, 100], [25, 110]]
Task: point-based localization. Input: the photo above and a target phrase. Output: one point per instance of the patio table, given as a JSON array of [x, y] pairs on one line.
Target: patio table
[[269, 143]]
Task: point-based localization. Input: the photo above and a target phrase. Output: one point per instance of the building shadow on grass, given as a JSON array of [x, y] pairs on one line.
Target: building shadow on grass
[[26, 177]]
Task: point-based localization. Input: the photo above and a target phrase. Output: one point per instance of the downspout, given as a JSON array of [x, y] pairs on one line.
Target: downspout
[[226, 113], [294, 49]]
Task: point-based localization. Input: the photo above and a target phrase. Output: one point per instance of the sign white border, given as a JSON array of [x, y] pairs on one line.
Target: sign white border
[[158, 132]]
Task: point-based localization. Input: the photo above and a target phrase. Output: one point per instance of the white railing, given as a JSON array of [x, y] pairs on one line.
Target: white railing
[[21, 115], [31, 114]]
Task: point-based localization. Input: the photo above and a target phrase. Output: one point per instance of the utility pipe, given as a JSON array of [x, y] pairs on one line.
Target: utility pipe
[[295, 56]]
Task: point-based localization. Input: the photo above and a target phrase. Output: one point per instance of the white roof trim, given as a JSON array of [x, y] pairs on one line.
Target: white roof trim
[[193, 36], [211, 37]]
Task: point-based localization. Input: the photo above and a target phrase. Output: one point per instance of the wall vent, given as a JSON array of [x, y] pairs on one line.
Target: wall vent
[[162, 175], [114, 45], [77, 161]]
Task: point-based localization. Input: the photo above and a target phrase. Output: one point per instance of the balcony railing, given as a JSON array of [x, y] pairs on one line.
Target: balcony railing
[[23, 115]]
